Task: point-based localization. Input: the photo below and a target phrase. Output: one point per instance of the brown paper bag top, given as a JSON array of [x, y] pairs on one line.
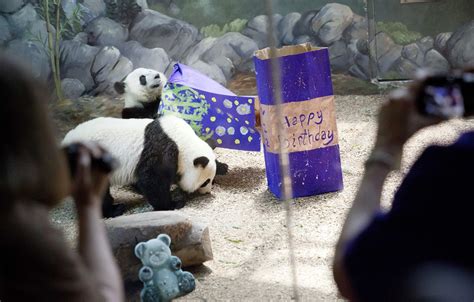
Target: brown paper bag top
[[264, 54]]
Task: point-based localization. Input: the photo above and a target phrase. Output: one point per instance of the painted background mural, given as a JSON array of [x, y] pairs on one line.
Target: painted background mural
[[94, 43]]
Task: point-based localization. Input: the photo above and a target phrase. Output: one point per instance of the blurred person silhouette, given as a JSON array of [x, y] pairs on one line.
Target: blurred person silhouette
[[421, 249], [36, 263]]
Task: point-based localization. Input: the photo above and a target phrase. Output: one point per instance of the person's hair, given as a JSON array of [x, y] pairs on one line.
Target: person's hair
[[31, 165]]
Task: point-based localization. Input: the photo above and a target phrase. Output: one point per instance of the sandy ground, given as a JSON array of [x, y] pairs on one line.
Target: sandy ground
[[248, 227]]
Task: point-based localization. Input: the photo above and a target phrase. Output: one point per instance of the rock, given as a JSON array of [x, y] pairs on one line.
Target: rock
[[339, 57], [381, 44], [362, 46], [257, 29], [103, 31], [10, 6], [413, 53], [425, 44], [81, 37], [108, 67], [331, 21], [361, 67], [155, 30], [211, 70], [76, 61], [286, 26], [441, 42], [302, 39], [143, 4], [190, 239], [303, 26], [233, 48], [358, 30], [38, 32], [5, 34], [72, 88], [460, 46], [140, 56], [32, 55], [387, 61], [407, 68], [20, 22], [195, 53], [95, 7], [436, 62]]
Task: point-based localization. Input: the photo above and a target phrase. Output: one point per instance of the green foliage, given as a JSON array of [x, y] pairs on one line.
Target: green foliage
[[399, 32], [68, 27], [215, 30], [122, 11]]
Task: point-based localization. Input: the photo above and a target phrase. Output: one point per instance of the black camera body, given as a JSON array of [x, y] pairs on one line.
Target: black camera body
[[105, 163], [447, 96]]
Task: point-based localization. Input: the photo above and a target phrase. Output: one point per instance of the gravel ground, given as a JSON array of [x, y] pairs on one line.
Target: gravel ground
[[248, 227]]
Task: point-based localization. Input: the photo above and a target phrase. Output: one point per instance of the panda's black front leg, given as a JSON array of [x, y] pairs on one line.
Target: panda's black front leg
[[155, 185], [109, 209]]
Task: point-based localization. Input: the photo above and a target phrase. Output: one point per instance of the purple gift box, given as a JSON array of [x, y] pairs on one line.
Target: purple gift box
[[308, 120]]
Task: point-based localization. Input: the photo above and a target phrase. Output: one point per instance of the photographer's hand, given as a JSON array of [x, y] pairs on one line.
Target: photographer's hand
[[89, 185]]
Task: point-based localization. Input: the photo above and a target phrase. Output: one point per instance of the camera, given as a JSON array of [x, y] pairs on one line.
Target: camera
[[105, 163], [447, 96]]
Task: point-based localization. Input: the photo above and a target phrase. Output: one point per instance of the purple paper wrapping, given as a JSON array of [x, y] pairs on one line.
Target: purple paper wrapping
[[308, 120], [211, 110]]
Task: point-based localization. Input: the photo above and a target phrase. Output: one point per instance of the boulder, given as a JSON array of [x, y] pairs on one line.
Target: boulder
[[460, 46], [195, 53], [39, 33], [413, 53], [233, 48], [20, 22], [211, 70], [425, 44], [303, 39], [303, 26], [10, 6], [81, 37], [381, 44], [103, 31], [441, 41], [339, 56], [331, 21], [257, 29], [406, 68], [33, 57], [95, 8], [76, 61], [361, 67], [286, 26], [387, 61], [358, 30], [5, 34], [436, 62], [140, 56], [108, 67], [190, 239], [72, 88], [155, 30]]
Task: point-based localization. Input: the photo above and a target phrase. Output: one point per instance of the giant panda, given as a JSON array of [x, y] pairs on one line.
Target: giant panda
[[141, 90], [153, 155]]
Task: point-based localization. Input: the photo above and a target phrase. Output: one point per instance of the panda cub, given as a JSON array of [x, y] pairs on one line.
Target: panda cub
[[153, 155], [141, 90]]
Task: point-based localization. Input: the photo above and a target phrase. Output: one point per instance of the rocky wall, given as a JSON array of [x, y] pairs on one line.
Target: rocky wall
[[110, 45]]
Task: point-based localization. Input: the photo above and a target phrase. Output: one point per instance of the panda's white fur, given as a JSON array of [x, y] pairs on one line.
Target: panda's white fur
[[124, 139], [137, 93]]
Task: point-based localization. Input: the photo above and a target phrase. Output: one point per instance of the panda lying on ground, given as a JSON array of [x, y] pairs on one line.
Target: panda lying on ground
[[153, 155], [141, 90]]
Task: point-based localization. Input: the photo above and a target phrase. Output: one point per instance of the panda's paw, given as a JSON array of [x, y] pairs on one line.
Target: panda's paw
[[114, 210], [221, 168]]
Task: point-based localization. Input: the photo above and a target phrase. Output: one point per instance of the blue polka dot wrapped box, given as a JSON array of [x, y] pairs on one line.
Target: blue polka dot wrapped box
[[214, 112]]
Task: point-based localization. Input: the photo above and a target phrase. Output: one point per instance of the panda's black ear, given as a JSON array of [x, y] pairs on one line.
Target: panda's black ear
[[119, 87], [201, 161]]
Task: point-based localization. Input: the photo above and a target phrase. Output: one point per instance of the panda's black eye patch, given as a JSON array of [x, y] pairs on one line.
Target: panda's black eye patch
[[205, 183], [143, 80]]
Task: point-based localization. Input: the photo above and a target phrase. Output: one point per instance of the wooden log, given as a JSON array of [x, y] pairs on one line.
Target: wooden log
[[189, 238]]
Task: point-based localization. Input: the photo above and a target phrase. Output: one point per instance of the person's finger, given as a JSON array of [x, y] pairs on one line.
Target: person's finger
[[93, 148], [83, 174]]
